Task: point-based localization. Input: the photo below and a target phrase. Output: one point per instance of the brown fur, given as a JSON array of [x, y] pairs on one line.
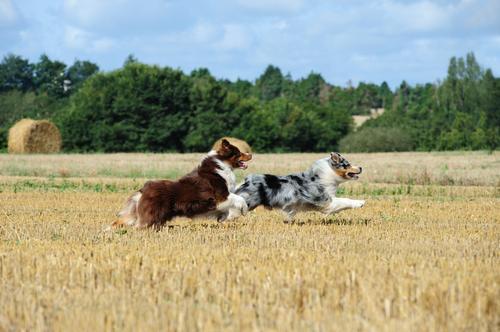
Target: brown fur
[[347, 173], [243, 146], [239, 143]]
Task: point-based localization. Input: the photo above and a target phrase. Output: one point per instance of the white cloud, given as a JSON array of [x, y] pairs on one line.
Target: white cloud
[[235, 37], [273, 6], [280, 25], [418, 16], [117, 17], [8, 13], [103, 44], [88, 12], [199, 34], [76, 38], [202, 33], [479, 14], [82, 40]]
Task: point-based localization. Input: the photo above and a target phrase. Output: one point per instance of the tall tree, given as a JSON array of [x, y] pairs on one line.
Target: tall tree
[[136, 108], [16, 73], [385, 94], [270, 84], [130, 59], [50, 76], [213, 111], [79, 72], [309, 88], [491, 106]]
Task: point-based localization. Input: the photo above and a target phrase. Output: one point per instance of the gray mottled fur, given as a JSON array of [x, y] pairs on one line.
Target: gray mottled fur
[[311, 190]]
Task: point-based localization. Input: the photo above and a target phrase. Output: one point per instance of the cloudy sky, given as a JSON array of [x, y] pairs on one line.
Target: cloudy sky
[[344, 40]]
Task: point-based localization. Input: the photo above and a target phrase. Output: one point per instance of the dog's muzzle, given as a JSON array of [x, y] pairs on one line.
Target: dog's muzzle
[[242, 163], [355, 175]]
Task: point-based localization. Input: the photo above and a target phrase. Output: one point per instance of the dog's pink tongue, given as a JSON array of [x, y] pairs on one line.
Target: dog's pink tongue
[[243, 165]]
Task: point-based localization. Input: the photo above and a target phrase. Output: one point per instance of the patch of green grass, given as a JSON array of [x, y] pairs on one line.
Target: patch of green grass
[[121, 231], [378, 191], [139, 173], [55, 236], [62, 186], [365, 190], [17, 170]]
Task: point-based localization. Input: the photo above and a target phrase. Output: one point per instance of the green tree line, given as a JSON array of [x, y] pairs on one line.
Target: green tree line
[[460, 113], [141, 107]]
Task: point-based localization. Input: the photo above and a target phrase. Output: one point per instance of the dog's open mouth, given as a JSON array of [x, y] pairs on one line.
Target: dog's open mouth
[[353, 175], [242, 164]]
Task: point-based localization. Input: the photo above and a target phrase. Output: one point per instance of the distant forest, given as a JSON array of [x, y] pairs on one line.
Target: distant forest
[[142, 107]]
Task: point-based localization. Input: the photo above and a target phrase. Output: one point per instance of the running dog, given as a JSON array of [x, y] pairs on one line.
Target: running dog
[[312, 190], [206, 191]]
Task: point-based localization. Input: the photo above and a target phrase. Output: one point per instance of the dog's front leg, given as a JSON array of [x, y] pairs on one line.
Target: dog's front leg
[[233, 207], [238, 208], [289, 214], [340, 204]]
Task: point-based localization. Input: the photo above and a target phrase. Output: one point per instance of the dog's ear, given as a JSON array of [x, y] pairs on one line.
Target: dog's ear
[[335, 156], [225, 144], [223, 147]]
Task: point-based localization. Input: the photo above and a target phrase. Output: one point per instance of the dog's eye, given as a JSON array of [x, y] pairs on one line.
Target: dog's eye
[[343, 164], [234, 153]]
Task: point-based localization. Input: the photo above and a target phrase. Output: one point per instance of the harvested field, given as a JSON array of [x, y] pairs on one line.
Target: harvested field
[[423, 254], [443, 168]]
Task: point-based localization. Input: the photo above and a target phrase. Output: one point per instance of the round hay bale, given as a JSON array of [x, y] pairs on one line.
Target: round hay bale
[[34, 136], [239, 143]]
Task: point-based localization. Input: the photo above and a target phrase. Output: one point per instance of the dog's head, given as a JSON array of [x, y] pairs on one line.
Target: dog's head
[[232, 156], [343, 169]]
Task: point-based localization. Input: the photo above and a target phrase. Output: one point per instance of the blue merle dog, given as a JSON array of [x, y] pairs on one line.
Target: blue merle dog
[[312, 190]]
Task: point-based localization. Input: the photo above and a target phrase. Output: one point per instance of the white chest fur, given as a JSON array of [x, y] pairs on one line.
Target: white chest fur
[[328, 178], [227, 174]]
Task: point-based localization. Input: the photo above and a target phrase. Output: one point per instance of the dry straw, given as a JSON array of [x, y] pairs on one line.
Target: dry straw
[[34, 136]]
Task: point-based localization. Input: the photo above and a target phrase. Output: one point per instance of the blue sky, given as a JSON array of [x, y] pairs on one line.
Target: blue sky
[[344, 40]]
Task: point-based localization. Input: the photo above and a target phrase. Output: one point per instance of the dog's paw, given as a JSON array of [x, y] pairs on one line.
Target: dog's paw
[[244, 209], [222, 217], [359, 204], [233, 214], [241, 206], [237, 212]]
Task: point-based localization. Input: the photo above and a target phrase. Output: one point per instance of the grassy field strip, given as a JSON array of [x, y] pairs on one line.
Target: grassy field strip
[[126, 186], [440, 168], [419, 265]]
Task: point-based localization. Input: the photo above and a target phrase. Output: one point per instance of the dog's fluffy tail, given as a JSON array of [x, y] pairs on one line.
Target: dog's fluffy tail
[[128, 214]]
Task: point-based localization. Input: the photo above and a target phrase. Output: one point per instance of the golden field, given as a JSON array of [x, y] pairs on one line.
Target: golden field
[[422, 255]]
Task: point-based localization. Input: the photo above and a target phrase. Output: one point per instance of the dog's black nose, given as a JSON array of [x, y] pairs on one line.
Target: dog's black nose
[[360, 169]]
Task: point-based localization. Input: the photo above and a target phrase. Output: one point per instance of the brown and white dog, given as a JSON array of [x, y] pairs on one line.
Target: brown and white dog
[[206, 191]]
